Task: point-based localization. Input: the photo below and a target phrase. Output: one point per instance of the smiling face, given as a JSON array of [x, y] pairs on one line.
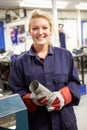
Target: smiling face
[[40, 31]]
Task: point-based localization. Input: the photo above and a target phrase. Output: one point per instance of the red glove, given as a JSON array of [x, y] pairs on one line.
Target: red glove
[[59, 99], [40, 99], [29, 103], [32, 101]]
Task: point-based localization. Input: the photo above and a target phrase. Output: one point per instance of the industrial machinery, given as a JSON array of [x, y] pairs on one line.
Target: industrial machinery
[[13, 113]]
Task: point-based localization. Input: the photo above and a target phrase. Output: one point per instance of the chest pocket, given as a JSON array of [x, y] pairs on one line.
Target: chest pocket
[[60, 81]]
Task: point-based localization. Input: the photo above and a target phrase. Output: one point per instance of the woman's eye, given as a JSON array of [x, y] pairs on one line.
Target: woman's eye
[[34, 28], [45, 27]]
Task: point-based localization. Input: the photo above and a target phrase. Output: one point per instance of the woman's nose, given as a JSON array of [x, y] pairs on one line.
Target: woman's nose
[[40, 31]]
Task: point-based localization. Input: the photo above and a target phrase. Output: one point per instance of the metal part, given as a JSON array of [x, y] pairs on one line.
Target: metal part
[[8, 121]]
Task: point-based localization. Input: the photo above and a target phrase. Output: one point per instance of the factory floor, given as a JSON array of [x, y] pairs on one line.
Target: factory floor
[[81, 113], [80, 110]]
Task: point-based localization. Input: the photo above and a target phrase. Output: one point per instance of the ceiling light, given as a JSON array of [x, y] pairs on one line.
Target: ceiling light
[[44, 4], [82, 6], [61, 5]]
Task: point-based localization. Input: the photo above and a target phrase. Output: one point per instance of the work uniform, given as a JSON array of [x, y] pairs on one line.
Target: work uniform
[[55, 71]]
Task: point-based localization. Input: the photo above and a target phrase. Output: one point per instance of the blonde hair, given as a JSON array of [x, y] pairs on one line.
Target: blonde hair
[[41, 14]]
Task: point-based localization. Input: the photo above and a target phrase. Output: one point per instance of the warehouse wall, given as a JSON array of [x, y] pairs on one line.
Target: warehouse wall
[[68, 18]]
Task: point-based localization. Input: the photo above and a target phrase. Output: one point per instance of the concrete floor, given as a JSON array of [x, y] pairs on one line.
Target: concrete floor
[[81, 113], [81, 109]]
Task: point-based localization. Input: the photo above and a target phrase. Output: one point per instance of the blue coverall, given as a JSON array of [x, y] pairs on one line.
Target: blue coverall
[[55, 72]]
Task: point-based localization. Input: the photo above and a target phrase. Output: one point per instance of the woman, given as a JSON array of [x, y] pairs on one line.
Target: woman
[[53, 68]]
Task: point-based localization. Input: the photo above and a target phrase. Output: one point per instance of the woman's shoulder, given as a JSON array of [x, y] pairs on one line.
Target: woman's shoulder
[[62, 53], [62, 50], [23, 55]]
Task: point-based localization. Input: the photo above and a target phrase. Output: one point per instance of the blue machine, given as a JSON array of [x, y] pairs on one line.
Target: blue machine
[[13, 104]]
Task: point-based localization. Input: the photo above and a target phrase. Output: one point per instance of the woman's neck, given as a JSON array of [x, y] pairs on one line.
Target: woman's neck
[[41, 50]]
